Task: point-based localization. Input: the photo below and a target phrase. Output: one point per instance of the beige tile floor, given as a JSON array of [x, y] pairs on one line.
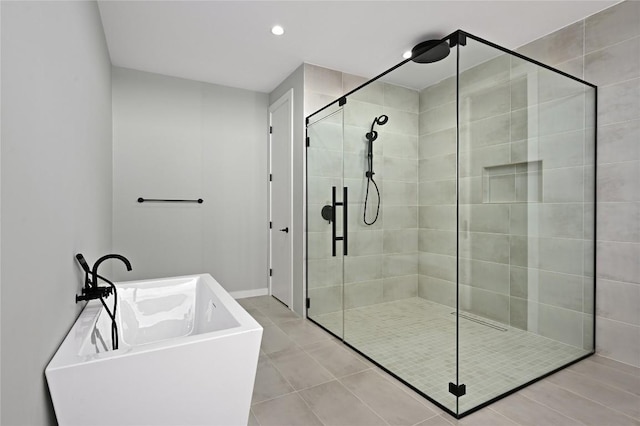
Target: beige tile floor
[[307, 377]]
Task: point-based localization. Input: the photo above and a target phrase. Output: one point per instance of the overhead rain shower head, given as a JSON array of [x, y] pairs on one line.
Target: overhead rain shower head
[[430, 51]]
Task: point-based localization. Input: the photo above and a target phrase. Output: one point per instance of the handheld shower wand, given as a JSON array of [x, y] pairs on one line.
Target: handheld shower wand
[[372, 136]]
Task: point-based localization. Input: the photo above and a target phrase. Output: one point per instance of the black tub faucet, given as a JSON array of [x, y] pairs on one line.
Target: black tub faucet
[[94, 272], [91, 290]]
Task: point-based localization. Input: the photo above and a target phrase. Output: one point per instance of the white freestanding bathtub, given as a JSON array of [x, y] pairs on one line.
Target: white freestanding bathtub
[[187, 355]]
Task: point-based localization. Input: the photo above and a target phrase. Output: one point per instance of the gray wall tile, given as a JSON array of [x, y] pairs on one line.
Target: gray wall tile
[[618, 301], [561, 150], [619, 102], [396, 265], [361, 114], [548, 220], [362, 294], [618, 261], [355, 141], [403, 169], [618, 340], [486, 74], [563, 185], [473, 162], [561, 255], [365, 242], [560, 324], [484, 218], [438, 143], [438, 94], [490, 131], [438, 217], [612, 25], [400, 217], [561, 290], [400, 98], [437, 192], [372, 92], [437, 266], [400, 241], [437, 168], [485, 102], [560, 46], [488, 304], [397, 145], [322, 80], [562, 115], [518, 313], [434, 241], [400, 288], [619, 142], [480, 246], [325, 300], [619, 222], [362, 268], [437, 290], [399, 193], [437, 119], [619, 182], [518, 281], [616, 63], [325, 272], [485, 275]]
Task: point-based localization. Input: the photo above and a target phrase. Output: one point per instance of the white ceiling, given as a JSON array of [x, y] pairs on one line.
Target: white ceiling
[[230, 43]]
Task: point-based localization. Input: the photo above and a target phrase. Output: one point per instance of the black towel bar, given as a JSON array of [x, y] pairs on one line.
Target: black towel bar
[[153, 200]]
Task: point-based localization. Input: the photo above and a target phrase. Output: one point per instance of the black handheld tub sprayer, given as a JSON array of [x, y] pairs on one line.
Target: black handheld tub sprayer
[[372, 136]]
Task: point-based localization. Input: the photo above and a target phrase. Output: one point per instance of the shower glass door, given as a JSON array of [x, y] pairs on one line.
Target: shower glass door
[[325, 213]]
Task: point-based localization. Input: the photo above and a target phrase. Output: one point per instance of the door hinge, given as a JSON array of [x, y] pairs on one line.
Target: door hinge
[[270, 129], [342, 101], [308, 303], [270, 225], [270, 177], [270, 272], [458, 390], [308, 142]]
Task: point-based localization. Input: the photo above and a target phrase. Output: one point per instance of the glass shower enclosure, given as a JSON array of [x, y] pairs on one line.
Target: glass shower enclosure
[[450, 221]]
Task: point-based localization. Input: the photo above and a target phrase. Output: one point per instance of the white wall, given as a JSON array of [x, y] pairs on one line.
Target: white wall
[[295, 81], [56, 185], [175, 138]]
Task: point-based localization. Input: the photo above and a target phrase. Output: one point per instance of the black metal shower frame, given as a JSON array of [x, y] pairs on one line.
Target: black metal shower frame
[[456, 39]]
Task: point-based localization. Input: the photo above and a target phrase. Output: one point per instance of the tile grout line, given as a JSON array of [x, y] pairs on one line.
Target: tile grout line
[[502, 415], [637, 373], [608, 383], [334, 378], [363, 402], [251, 413], [591, 400], [545, 406]]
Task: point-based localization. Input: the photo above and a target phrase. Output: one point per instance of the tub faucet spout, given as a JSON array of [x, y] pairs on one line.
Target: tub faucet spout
[[94, 272]]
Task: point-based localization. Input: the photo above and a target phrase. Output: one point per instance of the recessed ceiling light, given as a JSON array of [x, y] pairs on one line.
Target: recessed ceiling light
[[406, 54], [277, 30]]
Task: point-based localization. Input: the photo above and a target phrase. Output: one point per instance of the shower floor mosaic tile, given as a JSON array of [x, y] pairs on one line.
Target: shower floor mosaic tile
[[416, 340]]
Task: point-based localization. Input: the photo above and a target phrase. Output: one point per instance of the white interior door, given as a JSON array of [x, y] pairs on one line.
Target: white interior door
[[281, 122]]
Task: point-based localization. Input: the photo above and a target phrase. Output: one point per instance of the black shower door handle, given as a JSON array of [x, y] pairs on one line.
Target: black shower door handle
[[344, 205]]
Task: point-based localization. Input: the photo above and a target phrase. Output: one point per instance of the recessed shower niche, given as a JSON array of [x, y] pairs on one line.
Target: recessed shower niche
[[458, 253]]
